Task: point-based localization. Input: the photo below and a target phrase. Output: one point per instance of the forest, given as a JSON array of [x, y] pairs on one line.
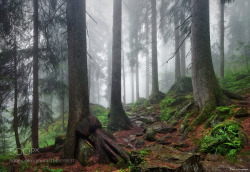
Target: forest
[[124, 85]]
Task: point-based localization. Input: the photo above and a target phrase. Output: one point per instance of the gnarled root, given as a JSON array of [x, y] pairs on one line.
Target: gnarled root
[[106, 147]]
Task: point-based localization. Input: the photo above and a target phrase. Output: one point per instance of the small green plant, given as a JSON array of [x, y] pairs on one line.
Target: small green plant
[[25, 165], [225, 139], [45, 169], [145, 152], [56, 170]]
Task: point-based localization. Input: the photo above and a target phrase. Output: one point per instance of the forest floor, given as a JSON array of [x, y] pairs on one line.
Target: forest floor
[[163, 143]]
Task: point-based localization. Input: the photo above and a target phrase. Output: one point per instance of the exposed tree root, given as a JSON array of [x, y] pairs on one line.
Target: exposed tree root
[[232, 95], [106, 147]]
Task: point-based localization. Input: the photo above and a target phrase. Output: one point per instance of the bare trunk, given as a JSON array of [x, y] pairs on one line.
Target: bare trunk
[[147, 58], [137, 68], [34, 128], [124, 79], [62, 103], [207, 93], [118, 118], [177, 44], [222, 39], [155, 84], [183, 49], [78, 74], [18, 145], [132, 85]]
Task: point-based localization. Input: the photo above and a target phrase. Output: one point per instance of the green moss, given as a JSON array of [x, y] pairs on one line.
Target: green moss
[[204, 115]]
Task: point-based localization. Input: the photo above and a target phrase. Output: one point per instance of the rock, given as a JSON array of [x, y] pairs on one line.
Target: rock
[[242, 112], [139, 142], [212, 157], [169, 159], [148, 120], [163, 140], [163, 129], [150, 134], [139, 124], [84, 152], [132, 138], [127, 107], [183, 127], [139, 134], [181, 145]]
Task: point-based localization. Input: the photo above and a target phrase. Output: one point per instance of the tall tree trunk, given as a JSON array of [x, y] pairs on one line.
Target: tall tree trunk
[[137, 68], [132, 84], [124, 78], [155, 84], [183, 49], [118, 118], [18, 145], [78, 74], [62, 102], [222, 55], [98, 89], [207, 93], [177, 44], [82, 125], [147, 55], [35, 111]]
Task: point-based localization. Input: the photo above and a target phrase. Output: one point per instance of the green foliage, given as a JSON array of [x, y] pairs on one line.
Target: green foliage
[[25, 166], [145, 152], [101, 113], [172, 105], [236, 82], [2, 168], [56, 170], [225, 139], [7, 158]]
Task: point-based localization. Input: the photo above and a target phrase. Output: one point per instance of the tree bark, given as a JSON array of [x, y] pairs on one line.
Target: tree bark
[[18, 145], [222, 33], [62, 102], [35, 111], [155, 84], [124, 79], [82, 125], [207, 93], [137, 67], [147, 56], [118, 118], [177, 44], [183, 49], [78, 74], [132, 85]]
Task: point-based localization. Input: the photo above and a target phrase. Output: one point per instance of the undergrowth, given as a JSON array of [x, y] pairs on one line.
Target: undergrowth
[[225, 138]]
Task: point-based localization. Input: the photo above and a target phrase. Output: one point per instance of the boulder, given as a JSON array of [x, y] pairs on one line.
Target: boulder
[[139, 142], [163, 129], [164, 158], [150, 134], [84, 152], [163, 140]]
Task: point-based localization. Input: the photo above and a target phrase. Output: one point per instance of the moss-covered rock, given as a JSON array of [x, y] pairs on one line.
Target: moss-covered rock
[[184, 85], [84, 152], [150, 134]]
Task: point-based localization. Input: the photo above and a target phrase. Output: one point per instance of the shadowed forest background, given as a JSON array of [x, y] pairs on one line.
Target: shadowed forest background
[[124, 85]]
